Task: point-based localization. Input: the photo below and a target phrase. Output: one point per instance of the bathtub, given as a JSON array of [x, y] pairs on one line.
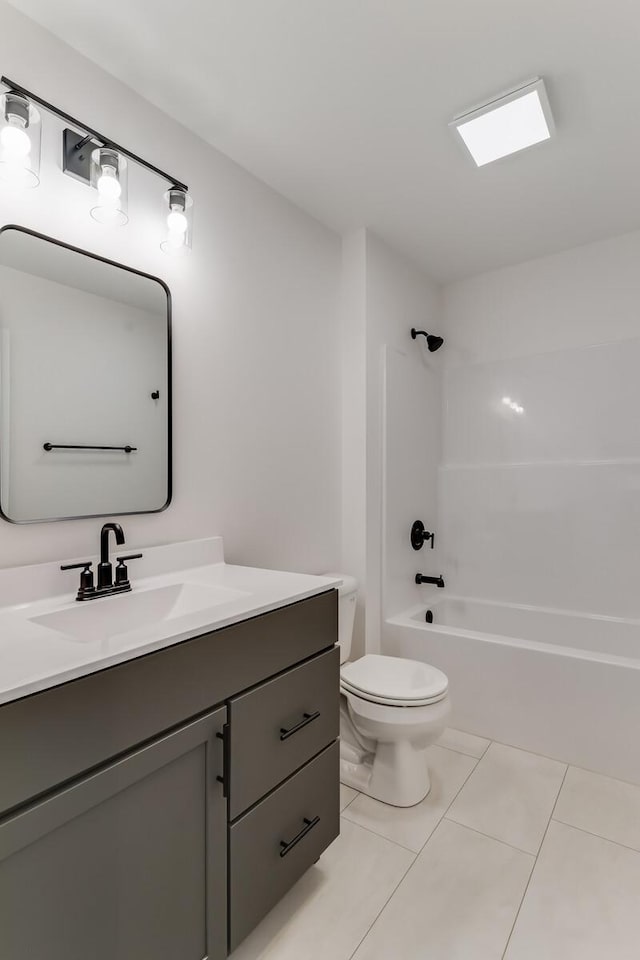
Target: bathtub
[[559, 683]]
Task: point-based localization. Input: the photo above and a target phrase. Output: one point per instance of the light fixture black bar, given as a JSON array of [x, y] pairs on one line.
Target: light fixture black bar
[[105, 141], [85, 446]]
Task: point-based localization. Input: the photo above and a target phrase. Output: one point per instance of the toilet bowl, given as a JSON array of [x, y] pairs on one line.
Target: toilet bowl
[[392, 710]]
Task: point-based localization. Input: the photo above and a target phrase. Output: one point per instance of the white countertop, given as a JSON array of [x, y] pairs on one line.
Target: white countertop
[[35, 657]]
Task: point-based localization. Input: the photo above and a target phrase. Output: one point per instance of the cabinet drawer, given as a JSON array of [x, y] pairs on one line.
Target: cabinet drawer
[[272, 845], [279, 725]]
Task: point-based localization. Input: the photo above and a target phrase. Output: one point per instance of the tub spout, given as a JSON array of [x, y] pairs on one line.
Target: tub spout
[[438, 581]]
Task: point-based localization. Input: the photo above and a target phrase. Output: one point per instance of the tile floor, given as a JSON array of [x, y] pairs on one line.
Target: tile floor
[[511, 855]]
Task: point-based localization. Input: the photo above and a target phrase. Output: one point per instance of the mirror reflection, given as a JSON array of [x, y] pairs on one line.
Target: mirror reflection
[[84, 384]]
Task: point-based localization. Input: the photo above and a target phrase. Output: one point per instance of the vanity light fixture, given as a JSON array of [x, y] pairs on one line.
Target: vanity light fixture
[[179, 217], [90, 157], [507, 124], [20, 130]]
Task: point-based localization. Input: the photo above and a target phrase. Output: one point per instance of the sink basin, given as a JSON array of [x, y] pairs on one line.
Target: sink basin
[[100, 619]]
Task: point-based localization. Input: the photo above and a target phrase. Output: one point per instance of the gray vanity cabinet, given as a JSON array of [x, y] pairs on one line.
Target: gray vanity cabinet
[[156, 810], [128, 863]]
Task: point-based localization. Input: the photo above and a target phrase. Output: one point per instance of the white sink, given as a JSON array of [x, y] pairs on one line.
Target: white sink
[[107, 617]]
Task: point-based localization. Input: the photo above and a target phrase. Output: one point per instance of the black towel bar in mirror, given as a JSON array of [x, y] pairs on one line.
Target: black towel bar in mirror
[[127, 448]]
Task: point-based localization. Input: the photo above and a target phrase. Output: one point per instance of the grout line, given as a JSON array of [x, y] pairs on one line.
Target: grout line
[[607, 776], [453, 799], [384, 905], [352, 798], [471, 756], [535, 863], [596, 836], [488, 836], [411, 865], [380, 836], [439, 821], [534, 753]]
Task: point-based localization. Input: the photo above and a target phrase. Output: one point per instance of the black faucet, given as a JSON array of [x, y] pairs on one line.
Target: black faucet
[[105, 585], [439, 581], [105, 570]]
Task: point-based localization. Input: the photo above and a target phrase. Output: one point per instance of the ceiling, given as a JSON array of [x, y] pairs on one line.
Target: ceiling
[[343, 106]]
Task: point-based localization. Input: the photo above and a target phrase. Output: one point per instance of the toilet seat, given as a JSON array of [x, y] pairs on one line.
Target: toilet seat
[[394, 681]]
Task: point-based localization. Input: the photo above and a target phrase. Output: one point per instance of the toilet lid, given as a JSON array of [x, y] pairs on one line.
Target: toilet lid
[[394, 679]]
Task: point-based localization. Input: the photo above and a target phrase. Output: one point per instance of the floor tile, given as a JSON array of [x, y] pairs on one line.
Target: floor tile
[[582, 902], [463, 742], [412, 826], [327, 913], [610, 808], [347, 794], [458, 900], [510, 796]]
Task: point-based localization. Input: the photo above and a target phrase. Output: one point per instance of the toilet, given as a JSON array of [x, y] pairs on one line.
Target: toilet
[[391, 711]]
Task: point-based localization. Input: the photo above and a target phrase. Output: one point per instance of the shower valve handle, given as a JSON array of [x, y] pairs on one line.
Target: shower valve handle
[[419, 536]]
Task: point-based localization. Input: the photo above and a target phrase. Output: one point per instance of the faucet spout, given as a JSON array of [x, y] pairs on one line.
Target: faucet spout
[[105, 570]]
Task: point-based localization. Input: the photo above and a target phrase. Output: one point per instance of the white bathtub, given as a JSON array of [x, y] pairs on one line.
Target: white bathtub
[[563, 684]]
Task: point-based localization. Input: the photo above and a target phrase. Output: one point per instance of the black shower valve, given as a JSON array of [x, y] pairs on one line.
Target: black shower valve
[[420, 536]]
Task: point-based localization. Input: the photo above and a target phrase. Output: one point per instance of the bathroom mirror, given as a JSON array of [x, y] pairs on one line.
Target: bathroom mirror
[[85, 384]]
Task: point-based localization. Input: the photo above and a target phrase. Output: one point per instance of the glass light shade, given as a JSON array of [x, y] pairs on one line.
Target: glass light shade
[[109, 175], [178, 222], [20, 133]]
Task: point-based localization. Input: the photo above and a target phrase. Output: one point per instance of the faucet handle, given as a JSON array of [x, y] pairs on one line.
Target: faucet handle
[[122, 575], [86, 577]]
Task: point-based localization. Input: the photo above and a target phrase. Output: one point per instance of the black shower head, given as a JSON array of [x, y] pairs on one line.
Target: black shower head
[[433, 343]]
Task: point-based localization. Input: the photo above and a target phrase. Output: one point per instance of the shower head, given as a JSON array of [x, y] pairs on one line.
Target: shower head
[[433, 343]]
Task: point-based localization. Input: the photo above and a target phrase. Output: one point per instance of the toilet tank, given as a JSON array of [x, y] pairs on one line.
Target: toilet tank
[[347, 597]]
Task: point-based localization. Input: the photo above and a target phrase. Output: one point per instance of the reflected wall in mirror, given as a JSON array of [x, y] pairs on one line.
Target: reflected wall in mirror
[[85, 384]]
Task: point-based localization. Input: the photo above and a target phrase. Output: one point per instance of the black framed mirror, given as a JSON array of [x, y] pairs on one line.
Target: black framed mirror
[[85, 383]]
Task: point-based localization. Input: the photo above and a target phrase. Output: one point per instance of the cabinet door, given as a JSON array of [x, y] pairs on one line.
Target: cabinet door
[[128, 863]]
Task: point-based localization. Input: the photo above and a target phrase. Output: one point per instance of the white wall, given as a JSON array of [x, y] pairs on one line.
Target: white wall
[[255, 323], [388, 378], [543, 507]]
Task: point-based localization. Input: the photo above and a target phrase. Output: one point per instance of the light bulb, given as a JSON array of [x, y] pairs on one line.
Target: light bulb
[[177, 222], [15, 140], [177, 217], [108, 184]]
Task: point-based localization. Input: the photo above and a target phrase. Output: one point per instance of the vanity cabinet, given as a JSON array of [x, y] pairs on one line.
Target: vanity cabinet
[[158, 809]]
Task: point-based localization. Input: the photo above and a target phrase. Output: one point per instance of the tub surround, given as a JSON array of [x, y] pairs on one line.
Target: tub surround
[[36, 656]]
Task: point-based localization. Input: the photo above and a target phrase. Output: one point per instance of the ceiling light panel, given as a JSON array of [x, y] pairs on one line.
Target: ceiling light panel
[[511, 123]]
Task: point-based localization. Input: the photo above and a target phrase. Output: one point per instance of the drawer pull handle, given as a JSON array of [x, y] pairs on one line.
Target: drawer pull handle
[[224, 779], [306, 719], [308, 826]]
